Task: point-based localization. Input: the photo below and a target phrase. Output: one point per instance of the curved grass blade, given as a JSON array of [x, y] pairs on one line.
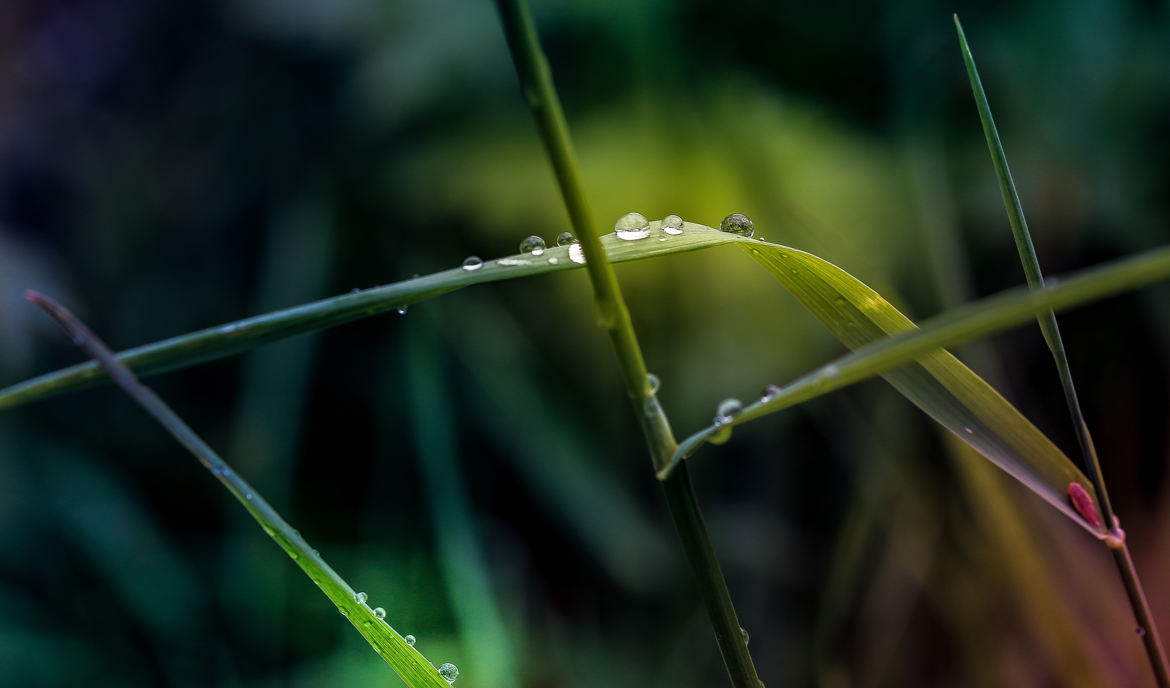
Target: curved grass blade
[[931, 378], [411, 666], [231, 338]]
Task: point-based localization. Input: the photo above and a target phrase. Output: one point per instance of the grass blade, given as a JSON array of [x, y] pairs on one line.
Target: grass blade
[[1051, 331], [414, 669]]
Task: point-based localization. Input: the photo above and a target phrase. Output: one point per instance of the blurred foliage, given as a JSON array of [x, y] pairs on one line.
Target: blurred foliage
[[167, 166]]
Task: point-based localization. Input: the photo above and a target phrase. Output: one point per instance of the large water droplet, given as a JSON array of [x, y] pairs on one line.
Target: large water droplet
[[769, 392], [672, 224], [746, 638], [472, 263], [410, 640], [361, 598], [726, 410], [654, 382], [379, 612], [449, 672], [632, 226], [737, 223], [533, 245], [577, 254], [566, 238]]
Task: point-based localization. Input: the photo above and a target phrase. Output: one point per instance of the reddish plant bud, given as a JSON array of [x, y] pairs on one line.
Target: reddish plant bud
[[1083, 503]]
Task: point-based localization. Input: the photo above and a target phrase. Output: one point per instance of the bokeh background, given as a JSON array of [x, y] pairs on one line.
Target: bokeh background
[[473, 464]]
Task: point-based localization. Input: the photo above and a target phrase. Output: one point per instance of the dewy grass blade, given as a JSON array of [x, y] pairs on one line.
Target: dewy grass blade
[[1051, 331], [411, 666]]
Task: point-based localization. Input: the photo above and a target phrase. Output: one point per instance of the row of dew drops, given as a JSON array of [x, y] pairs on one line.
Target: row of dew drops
[[629, 227], [449, 672]]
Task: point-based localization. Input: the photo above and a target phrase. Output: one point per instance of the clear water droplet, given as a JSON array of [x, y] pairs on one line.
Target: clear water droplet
[[632, 226], [651, 407], [410, 640], [361, 598], [769, 392], [316, 553], [737, 223], [402, 309], [566, 238], [746, 638], [354, 290], [577, 254], [654, 382], [533, 244], [379, 612], [672, 224], [472, 263], [661, 239], [449, 672], [552, 260], [513, 262], [726, 410]]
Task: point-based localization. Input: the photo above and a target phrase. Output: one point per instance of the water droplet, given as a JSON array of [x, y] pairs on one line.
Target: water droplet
[[632, 226], [661, 239], [566, 238], [577, 254], [361, 598], [379, 612], [672, 224], [472, 263], [654, 382], [651, 407], [316, 553], [410, 640], [552, 260], [249, 496], [344, 611], [769, 392], [533, 245], [449, 672], [513, 262], [969, 431], [726, 410], [737, 223], [354, 290], [746, 638], [402, 309]]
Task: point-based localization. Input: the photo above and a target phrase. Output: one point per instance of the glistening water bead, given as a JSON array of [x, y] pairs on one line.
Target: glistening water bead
[[449, 672], [726, 410], [379, 612], [472, 263], [672, 224], [576, 253], [566, 238], [361, 598], [632, 226], [533, 245], [737, 223], [410, 640]]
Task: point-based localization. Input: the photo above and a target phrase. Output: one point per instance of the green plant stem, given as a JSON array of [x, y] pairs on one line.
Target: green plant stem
[[537, 85], [1051, 332], [407, 662]]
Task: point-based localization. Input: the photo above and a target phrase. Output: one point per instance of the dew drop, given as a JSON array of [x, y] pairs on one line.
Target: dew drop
[[249, 496], [660, 239], [410, 640], [737, 223], [769, 392], [361, 598], [654, 382], [402, 309], [379, 612], [632, 226], [354, 290], [651, 408], [577, 254], [533, 245], [512, 262], [746, 638], [566, 238], [552, 260], [449, 672], [672, 224], [316, 553], [726, 410], [472, 263]]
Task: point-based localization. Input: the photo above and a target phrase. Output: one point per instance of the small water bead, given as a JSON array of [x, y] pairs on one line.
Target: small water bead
[[533, 244], [379, 612], [746, 638], [472, 263], [552, 260], [577, 254], [410, 640], [726, 410], [654, 382], [361, 598], [632, 226], [513, 262], [566, 239], [769, 392], [449, 672], [737, 223], [402, 309], [672, 224], [355, 290]]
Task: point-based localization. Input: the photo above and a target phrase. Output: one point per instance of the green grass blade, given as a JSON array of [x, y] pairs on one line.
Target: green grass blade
[[234, 337], [408, 663], [938, 383]]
